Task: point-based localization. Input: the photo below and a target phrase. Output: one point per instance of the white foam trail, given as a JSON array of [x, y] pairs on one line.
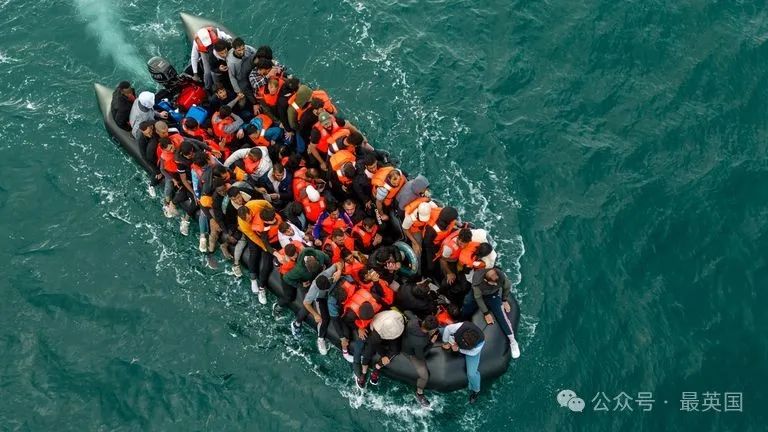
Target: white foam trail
[[102, 21]]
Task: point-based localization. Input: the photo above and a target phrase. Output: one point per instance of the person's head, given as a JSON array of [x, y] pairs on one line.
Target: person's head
[[165, 144], [221, 172], [221, 48], [201, 159], [238, 47], [470, 339], [221, 190], [332, 208], [429, 323], [220, 90], [354, 139], [447, 215], [262, 66], [278, 172], [347, 256], [368, 274], [291, 251], [187, 149], [491, 276], [286, 229], [264, 51], [161, 128], [272, 85], [244, 213], [349, 206], [483, 250], [190, 123], [323, 283], [294, 208], [147, 128], [312, 264], [337, 236], [421, 290], [235, 196], [394, 178], [225, 111], [365, 312], [325, 119], [292, 84], [370, 163], [268, 216], [317, 105], [255, 154], [348, 170], [125, 88], [368, 224], [464, 237]]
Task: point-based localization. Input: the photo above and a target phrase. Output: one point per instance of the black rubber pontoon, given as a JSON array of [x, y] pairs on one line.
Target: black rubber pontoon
[[446, 369]]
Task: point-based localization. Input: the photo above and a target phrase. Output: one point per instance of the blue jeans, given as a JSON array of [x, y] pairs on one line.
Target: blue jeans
[[202, 222], [357, 346], [494, 306], [473, 375]]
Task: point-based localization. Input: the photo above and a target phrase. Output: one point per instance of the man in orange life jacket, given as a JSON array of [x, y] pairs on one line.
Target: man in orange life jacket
[[225, 125], [366, 235], [353, 211], [358, 312], [248, 164], [329, 220], [326, 130], [442, 222], [185, 196], [417, 214], [386, 183], [336, 243]]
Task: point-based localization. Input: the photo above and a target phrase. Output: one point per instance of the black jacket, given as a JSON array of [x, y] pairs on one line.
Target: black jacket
[[406, 300], [415, 341], [121, 109], [283, 189]]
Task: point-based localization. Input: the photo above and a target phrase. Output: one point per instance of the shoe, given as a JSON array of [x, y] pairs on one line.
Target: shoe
[[255, 286], [360, 381], [275, 309], [322, 346], [203, 246], [473, 396], [169, 211], [151, 191], [347, 356], [262, 296], [514, 347], [184, 227], [375, 376], [422, 400], [295, 329], [237, 271]]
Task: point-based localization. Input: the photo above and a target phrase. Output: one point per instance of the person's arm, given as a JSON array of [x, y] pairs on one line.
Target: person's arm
[[317, 231], [449, 331], [316, 154], [234, 126], [233, 75], [186, 182], [194, 57], [479, 299], [346, 219], [506, 287]]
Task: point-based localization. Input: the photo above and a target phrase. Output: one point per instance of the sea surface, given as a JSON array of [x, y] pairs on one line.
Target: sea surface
[[615, 149]]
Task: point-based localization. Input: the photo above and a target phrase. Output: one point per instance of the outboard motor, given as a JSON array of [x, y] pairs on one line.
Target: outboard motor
[[163, 72], [181, 89]]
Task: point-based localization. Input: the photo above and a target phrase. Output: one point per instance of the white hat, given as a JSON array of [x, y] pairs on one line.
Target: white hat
[[389, 324], [425, 211], [313, 194], [147, 99]]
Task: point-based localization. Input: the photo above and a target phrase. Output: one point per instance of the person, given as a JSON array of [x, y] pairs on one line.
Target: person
[[366, 235], [239, 64], [275, 185], [335, 243], [353, 211], [258, 222], [294, 213], [122, 102], [384, 340], [418, 337], [386, 183], [297, 105], [416, 298], [327, 130], [332, 218], [441, 223], [143, 109], [223, 96], [267, 83], [358, 312], [309, 264], [249, 164], [315, 303], [418, 187], [361, 184], [185, 195], [147, 143], [225, 125], [288, 233], [211, 46], [417, 214], [490, 293], [466, 338], [226, 202]]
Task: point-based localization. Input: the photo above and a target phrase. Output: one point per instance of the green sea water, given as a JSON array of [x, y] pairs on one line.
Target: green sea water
[[615, 150]]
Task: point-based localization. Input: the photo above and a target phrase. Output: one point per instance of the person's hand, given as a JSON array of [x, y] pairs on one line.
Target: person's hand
[[240, 134], [506, 306], [362, 333], [446, 346], [377, 239], [385, 360], [223, 68], [175, 183], [216, 153], [196, 77], [289, 134], [159, 176], [374, 276], [450, 278], [318, 242], [164, 114], [278, 256], [318, 318], [306, 284], [240, 96], [256, 109], [384, 217], [368, 205], [323, 166], [434, 337], [454, 347], [488, 319]]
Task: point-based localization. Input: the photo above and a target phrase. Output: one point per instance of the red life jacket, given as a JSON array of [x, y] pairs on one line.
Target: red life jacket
[[352, 269], [258, 226], [358, 298], [467, 256], [380, 180], [349, 290], [327, 137], [176, 138], [313, 210], [287, 266], [451, 243], [261, 140], [441, 234], [443, 317], [213, 35], [271, 98], [365, 237], [418, 226], [336, 250], [338, 160], [329, 224], [300, 182], [218, 124]]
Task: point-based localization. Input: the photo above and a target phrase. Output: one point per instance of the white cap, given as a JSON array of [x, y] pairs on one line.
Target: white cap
[[313, 194], [389, 324], [147, 99], [425, 211]]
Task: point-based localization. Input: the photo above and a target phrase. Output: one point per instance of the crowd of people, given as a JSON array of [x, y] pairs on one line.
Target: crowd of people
[[277, 179]]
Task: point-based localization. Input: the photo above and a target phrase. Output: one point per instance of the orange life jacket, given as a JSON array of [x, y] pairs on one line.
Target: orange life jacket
[[450, 242], [336, 141], [336, 250], [441, 234], [380, 180], [349, 289], [167, 159], [218, 124], [358, 298], [329, 224], [313, 210], [202, 135], [213, 34], [327, 137], [261, 140], [352, 269], [443, 317], [418, 226], [316, 94], [176, 138], [365, 237], [300, 182], [287, 266], [388, 295], [271, 98], [467, 255], [258, 226], [338, 160], [338, 146]]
